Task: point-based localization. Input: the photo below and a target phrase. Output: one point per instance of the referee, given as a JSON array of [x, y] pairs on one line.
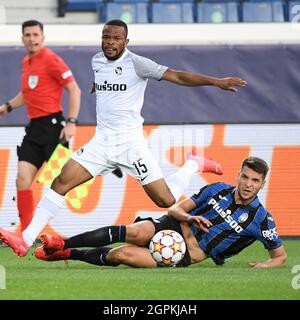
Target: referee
[[44, 77]]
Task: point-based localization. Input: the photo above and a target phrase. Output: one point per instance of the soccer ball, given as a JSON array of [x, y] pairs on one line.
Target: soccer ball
[[167, 247]]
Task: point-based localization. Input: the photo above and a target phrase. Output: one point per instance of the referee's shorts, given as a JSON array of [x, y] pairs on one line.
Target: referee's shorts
[[41, 138], [168, 222]]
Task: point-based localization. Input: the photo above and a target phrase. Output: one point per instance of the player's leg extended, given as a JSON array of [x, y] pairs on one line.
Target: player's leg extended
[[25, 201], [138, 233], [130, 255], [165, 193], [72, 175], [146, 169], [95, 256]]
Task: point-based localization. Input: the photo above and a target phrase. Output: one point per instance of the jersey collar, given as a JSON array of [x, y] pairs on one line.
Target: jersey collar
[[252, 205]]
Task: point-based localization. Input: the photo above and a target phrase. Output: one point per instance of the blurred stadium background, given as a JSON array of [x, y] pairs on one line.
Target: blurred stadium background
[[256, 40]]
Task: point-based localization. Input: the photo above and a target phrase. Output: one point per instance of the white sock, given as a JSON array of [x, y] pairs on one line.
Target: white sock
[[179, 181], [47, 208]]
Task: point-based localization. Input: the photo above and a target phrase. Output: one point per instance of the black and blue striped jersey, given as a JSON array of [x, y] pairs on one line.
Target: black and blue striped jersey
[[235, 226]]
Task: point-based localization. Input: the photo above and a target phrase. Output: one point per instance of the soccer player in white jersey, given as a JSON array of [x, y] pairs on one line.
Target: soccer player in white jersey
[[120, 81]]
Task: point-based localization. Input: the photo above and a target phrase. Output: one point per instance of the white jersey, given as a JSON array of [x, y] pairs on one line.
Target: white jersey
[[120, 87]]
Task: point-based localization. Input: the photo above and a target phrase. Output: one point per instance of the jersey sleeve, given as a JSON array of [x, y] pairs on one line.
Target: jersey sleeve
[[267, 233], [59, 70], [202, 195], [147, 68]]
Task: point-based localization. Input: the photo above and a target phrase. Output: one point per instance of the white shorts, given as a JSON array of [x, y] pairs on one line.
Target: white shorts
[[133, 157]]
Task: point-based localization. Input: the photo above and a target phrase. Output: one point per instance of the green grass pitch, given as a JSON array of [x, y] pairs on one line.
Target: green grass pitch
[[28, 278]]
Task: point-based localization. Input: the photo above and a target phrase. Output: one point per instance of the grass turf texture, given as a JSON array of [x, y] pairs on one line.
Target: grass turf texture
[[29, 278]]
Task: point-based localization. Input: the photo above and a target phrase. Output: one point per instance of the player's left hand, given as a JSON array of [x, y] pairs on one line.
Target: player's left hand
[[230, 83], [258, 265]]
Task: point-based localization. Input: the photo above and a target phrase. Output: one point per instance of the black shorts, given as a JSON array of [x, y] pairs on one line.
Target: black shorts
[[41, 138], [168, 222]]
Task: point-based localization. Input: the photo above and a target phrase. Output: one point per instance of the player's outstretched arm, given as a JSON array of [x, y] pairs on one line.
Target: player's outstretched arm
[[278, 259], [192, 80]]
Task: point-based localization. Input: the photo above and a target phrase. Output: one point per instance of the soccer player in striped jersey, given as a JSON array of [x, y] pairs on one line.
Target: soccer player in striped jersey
[[218, 223]]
